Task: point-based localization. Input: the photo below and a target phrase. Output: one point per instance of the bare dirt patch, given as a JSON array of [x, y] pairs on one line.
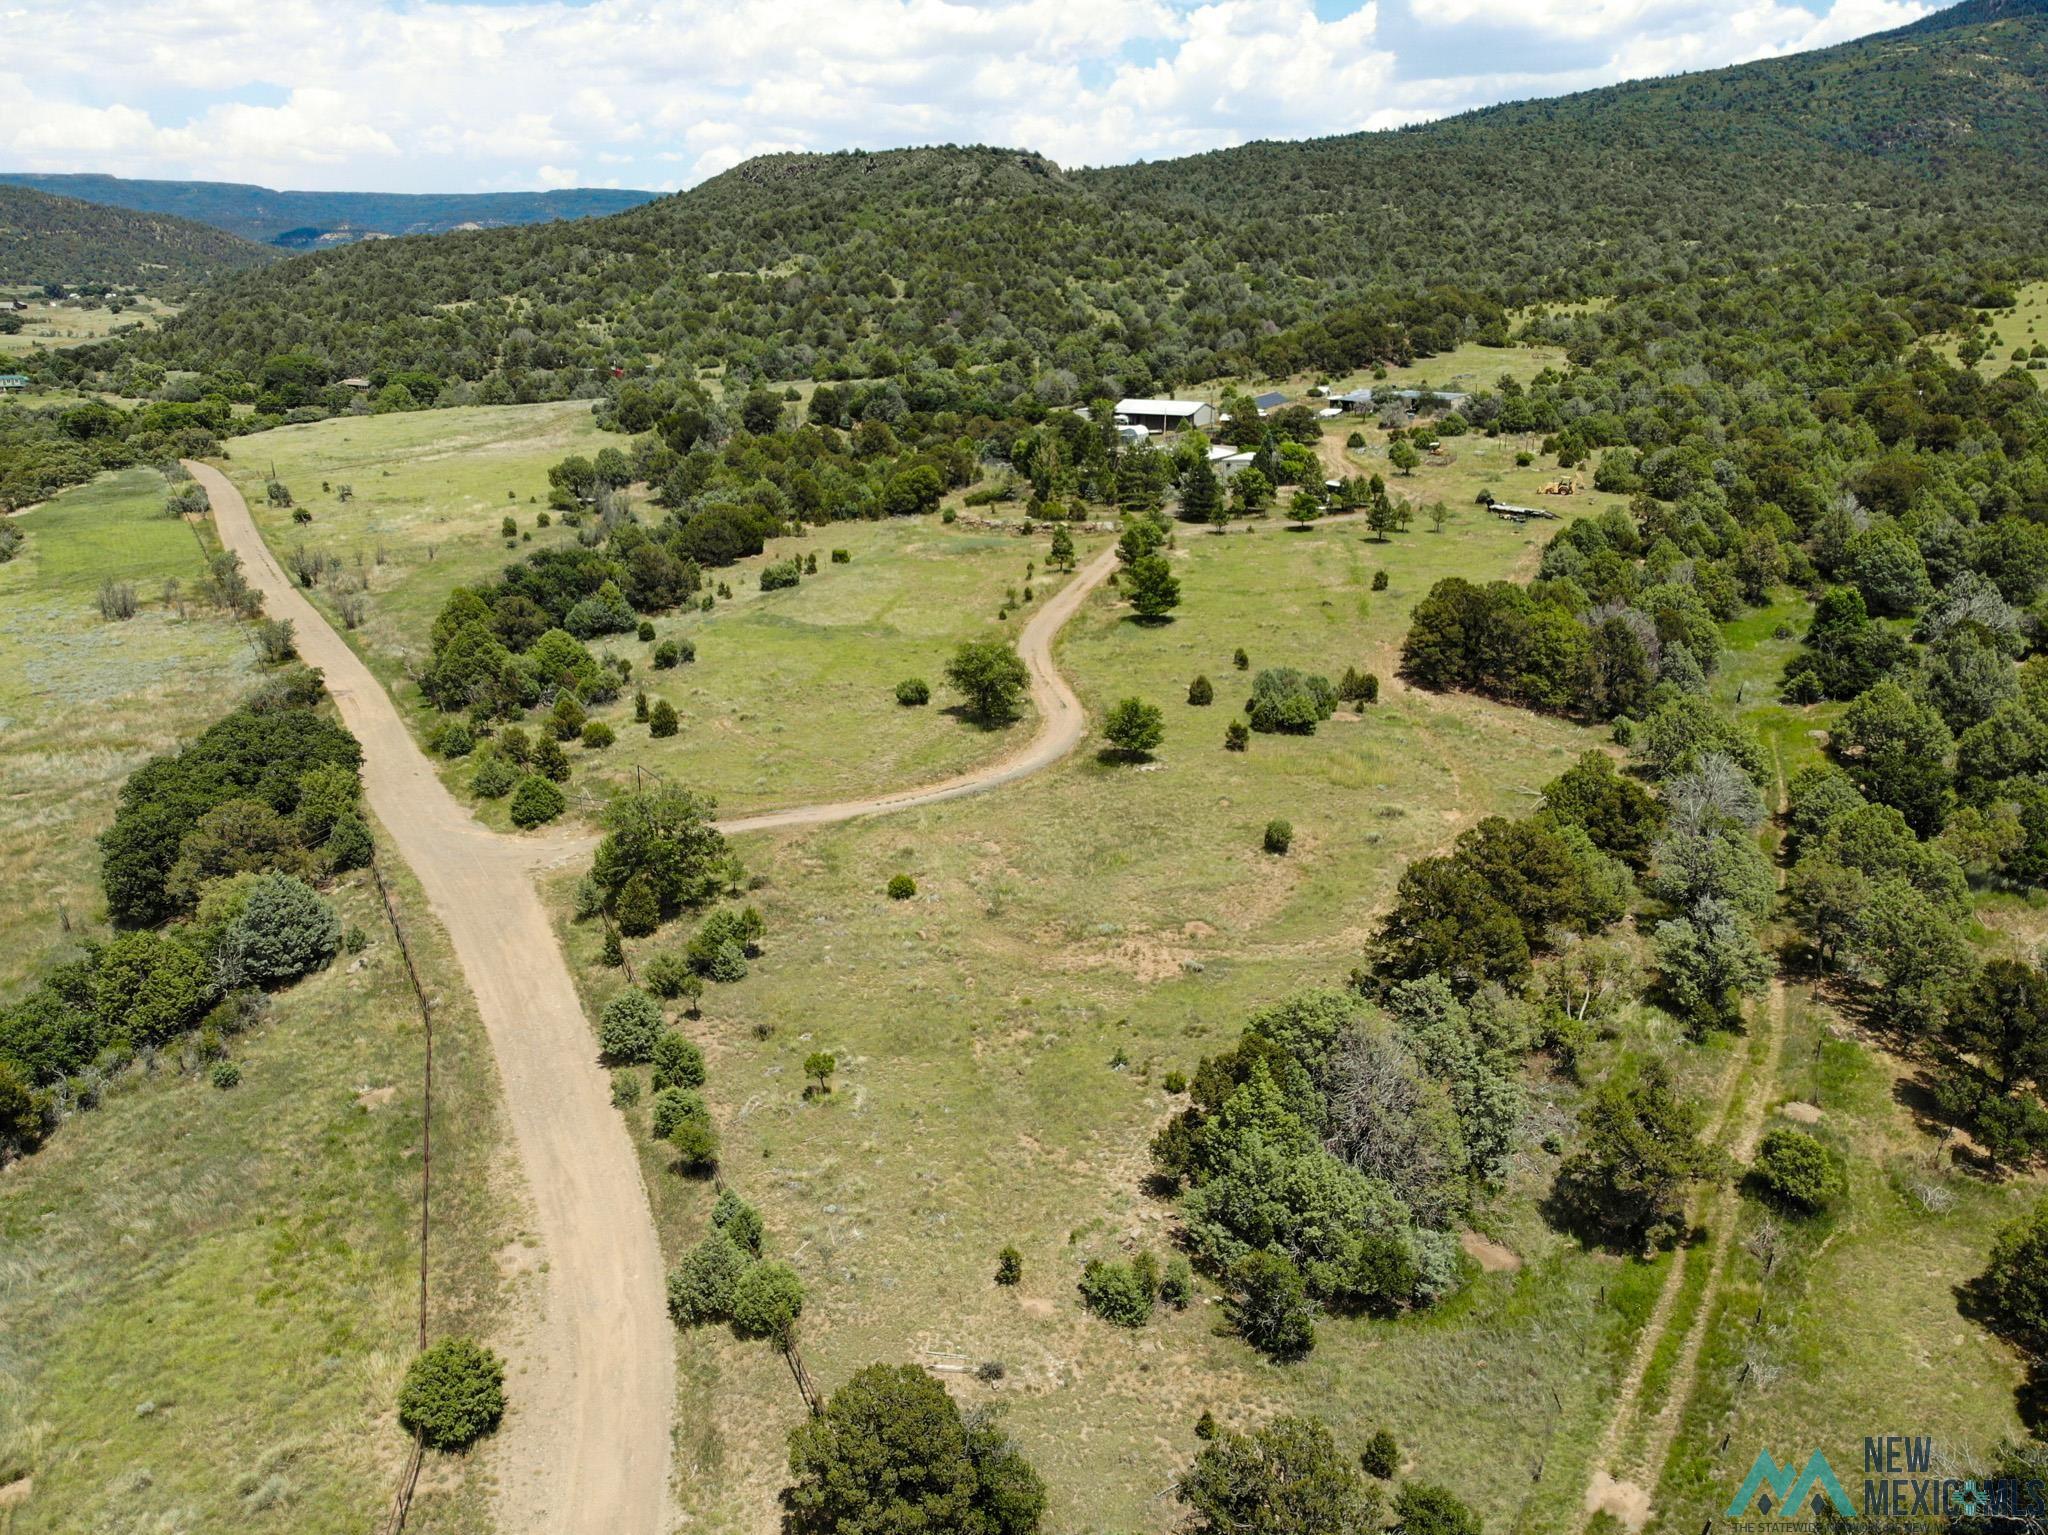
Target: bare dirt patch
[[1490, 1255], [1802, 1113], [1628, 1503]]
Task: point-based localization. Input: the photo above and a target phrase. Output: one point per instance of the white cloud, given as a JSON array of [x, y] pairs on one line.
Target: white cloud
[[421, 94]]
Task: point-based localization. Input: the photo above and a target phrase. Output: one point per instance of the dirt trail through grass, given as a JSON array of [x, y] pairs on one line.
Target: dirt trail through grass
[[1639, 1435], [585, 1446]]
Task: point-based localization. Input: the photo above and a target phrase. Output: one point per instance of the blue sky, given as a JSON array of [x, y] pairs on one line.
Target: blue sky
[[487, 95]]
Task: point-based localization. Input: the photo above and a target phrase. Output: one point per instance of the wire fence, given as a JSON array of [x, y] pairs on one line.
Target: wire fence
[[401, 1503]]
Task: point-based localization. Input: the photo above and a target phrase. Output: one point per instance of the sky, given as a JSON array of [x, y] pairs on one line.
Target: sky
[[504, 95]]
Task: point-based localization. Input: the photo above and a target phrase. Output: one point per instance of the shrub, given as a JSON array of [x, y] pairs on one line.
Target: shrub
[[818, 1067], [550, 761], [1290, 701], [677, 1062], [1236, 737], [1421, 1508], [638, 907], [1797, 1169], [842, 557], [226, 1075], [661, 719], [913, 692], [718, 949], [673, 1105], [646, 632], [1200, 693], [1381, 1456], [280, 929], [565, 720], [2013, 1289], [454, 740], [1379, 580], [696, 1144], [625, 1089], [536, 802], [597, 735], [494, 777], [700, 1287], [1240, 660], [667, 655], [1279, 836], [738, 1220], [611, 953], [1177, 1288], [453, 1395], [1358, 687], [348, 845], [1133, 727], [766, 1301], [901, 887], [781, 574], [1117, 1293], [516, 745], [1271, 1308], [1009, 1266], [1176, 1082], [628, 1027], [992, 676], [275, 643], [668, 976]]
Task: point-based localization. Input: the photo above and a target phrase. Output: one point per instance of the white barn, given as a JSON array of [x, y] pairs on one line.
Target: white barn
[[1165, 415]]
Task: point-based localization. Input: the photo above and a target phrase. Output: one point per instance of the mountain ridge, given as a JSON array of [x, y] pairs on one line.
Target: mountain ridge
[[47, 239], [1866, 157], [311, 220]]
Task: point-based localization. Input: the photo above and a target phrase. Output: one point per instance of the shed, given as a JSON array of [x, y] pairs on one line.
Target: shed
[[1269, 402], [13, 381], [1359, 400], [1165, 415]]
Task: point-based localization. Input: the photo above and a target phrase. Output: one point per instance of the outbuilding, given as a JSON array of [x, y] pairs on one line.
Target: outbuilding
[[12, 381], [1165, 415], [1269, 402]]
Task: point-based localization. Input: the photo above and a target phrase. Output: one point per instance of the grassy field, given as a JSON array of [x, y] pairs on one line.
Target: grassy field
[[83, 701], [789, 699], [1002, 1038], [430, 487], [207, 1297], [52, 326], [2023, 327], [783, 704], [1463, 468]]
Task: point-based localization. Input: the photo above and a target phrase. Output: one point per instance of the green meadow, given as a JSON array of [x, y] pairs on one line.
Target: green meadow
[[207, 1296]]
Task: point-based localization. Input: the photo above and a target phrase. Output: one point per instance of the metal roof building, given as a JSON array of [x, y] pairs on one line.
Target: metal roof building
[[1165, 415]]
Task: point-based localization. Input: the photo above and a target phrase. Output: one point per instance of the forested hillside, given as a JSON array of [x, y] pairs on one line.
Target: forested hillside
[[310, 220], [47, 239], [1915, 162]]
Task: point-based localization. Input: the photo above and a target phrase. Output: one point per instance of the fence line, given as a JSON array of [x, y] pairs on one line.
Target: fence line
[[401, 1503]]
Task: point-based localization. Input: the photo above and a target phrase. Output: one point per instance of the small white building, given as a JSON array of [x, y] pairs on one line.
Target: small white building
[[1165, 415]]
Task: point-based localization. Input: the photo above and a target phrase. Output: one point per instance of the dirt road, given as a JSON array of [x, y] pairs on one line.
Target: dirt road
[[1062, 722], [585, 1445]]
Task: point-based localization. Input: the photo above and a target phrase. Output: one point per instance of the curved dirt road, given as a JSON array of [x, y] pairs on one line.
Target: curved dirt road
[[585, 1446], [1062, 722]]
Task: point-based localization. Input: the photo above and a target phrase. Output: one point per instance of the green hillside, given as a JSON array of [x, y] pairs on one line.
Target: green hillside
[[1919, 156], [314, 220], [46, 239]]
